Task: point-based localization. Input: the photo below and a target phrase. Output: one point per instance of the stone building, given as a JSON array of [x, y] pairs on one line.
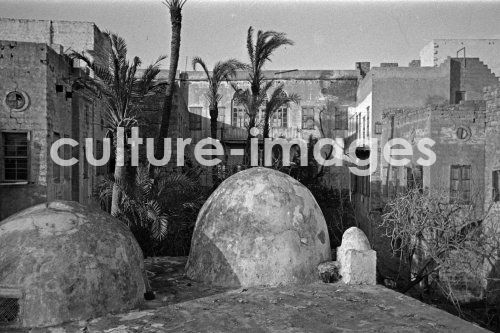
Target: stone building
[[467, 166], [325, 97], [40, 104], [455, 81], [445, 103]]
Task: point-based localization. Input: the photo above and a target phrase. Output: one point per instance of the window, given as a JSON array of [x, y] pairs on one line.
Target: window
[[56, 168], [463, 133], [394, 182], [341, 118], [414, 177], [239, 116], [368, 122], [15, 100], [222, 114], [459, 96], [357, 126], [15, 153], [460, 183], [496, 186], [308, 118], [86, 109], [195, 118], [280, 118]]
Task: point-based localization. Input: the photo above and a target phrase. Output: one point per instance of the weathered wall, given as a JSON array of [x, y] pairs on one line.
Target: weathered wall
[[492, 163], [492, 148], [38, 71], [77, 36], [437, 50], [470, 75], [59, 118], [22, 69]]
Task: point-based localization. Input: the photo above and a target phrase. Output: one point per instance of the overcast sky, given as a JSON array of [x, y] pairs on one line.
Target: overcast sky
[[327, 34]]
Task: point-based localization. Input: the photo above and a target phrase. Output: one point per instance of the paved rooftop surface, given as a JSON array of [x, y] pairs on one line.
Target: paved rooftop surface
[[186, 306]]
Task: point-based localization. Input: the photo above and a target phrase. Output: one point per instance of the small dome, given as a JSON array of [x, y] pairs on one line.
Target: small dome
[[355, 239], [69, 262], [259, 227]]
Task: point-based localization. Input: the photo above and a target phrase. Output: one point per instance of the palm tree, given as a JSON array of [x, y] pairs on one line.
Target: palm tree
[[175, 8], [222, 71], [259, 53], [122, 93], [158, 209]]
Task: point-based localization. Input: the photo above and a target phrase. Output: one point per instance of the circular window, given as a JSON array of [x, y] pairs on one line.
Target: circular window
[[463, 133], [16, 100]]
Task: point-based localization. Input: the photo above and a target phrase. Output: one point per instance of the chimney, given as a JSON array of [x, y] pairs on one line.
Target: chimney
[[389, 64], [363, 68]]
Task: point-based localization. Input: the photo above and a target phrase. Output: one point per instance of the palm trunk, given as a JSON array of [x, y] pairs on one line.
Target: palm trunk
[[265, 134], [119, 175], [247, 160], [266, 125], [214, 113], [176, 22]]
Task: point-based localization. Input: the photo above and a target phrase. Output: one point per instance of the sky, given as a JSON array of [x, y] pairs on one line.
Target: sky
[[327, 34]]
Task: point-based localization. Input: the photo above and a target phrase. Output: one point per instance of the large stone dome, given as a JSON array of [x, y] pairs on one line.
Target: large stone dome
[[69, 262], [259, 227]]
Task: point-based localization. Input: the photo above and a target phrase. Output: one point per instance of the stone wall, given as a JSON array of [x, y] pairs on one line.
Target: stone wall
[[437, 50], [55, 110], [492, 163], [22, 69], [73, 35]]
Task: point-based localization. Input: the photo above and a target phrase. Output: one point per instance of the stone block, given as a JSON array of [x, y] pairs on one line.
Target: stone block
[[359, 267], [358, 262]]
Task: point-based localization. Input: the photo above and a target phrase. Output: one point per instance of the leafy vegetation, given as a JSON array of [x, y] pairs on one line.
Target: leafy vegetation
[[160, 210]]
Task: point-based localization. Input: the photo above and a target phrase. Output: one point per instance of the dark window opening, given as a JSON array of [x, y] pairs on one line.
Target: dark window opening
[[308, 118], [496, 186], [15, 153], [460, 176], [394, 186], [9, 311], [459, 96], [414, 178]]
